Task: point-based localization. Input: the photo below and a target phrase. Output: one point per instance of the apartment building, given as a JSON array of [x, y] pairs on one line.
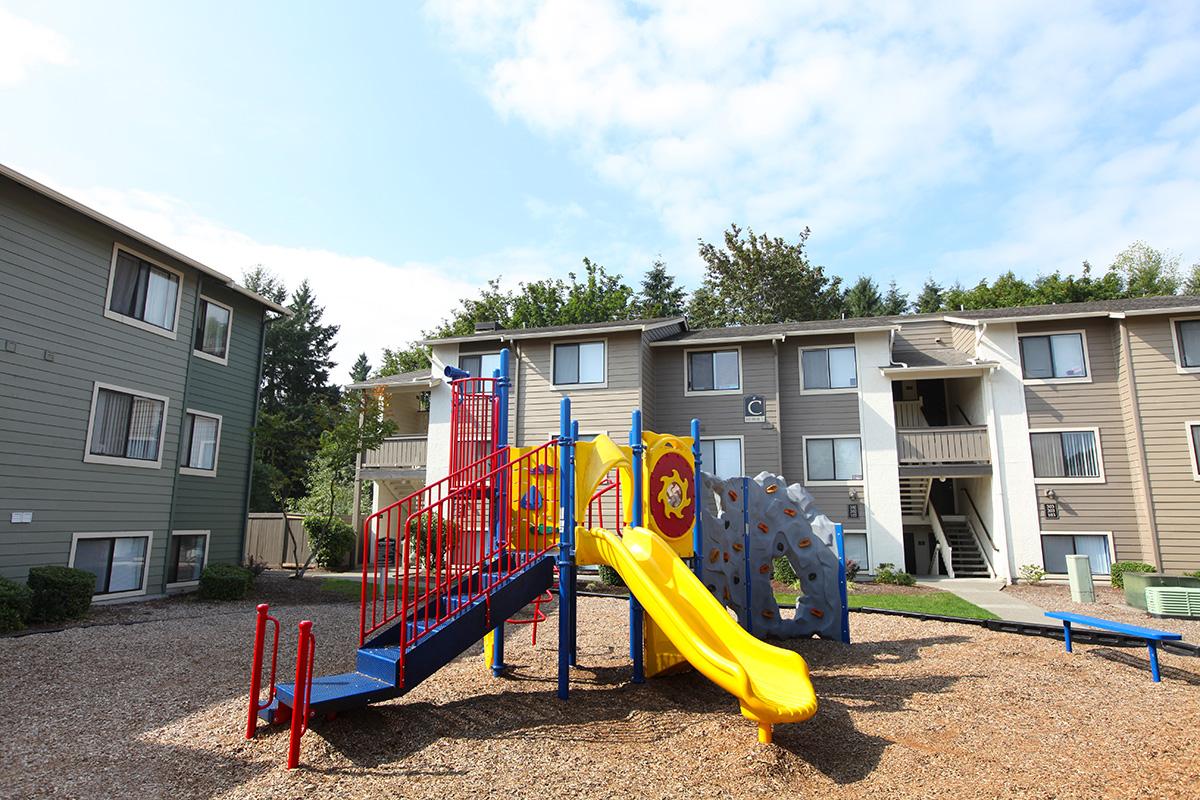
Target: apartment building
[[966, 444], [129, 378]]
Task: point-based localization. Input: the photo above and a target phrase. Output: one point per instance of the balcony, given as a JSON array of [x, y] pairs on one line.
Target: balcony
[[396, 457], [950, 451]]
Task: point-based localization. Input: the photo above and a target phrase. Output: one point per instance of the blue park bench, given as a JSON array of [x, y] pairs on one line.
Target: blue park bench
[[1152, 636]]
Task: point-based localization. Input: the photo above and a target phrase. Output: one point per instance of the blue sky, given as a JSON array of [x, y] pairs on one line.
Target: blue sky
[[400, 155]]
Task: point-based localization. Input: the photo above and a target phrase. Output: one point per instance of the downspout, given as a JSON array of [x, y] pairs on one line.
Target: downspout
[[187, 383], [891, 344], [262, 348]]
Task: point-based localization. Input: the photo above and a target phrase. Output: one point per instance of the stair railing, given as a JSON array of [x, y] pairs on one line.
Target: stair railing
[[943, 544], [982, 525], [607, 494], [306, 651], [256, 664]]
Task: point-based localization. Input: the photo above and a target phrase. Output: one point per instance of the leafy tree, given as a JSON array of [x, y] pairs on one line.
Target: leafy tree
[[599, 297], [539, 304], [660, 296], [361, 369], [1193, 282], [1147, 272], [411, 359], [930, 299], [895, 302], [1057, 288], [863, 299], [759, 279]]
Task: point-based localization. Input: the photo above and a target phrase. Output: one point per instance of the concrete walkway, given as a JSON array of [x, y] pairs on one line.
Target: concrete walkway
[[985, 593]]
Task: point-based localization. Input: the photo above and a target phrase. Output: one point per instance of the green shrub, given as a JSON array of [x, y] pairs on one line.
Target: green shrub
[[331, 541], [888, 574], [1031, 573], [1121, 567], [783, 571], [225, 582], [15, 602], [852, 569], [429, 534], [1195, 574], [60, 593], [610, 577]]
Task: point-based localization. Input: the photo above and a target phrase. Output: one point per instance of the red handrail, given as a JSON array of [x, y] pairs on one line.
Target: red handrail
[[260, 630], [306, 650], [608, 490]]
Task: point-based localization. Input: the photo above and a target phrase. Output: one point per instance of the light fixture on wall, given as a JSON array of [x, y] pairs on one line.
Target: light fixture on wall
[[853, 495], [1050, 493]]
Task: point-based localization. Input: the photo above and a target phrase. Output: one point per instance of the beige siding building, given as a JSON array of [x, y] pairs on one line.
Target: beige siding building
[[967, 444]]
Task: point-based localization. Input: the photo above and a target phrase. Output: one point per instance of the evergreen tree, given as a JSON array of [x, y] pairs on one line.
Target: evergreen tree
[[660, 296], [1193, 282], [361, 369], [930, 299], [266, 283], [759, 279], [863, 299], [895, 302]]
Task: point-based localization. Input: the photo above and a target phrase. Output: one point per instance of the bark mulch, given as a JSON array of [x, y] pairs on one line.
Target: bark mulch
[[911, 710], [1110, 604]]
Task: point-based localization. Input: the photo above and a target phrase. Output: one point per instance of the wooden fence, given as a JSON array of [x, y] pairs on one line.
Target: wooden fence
[[267, 539]]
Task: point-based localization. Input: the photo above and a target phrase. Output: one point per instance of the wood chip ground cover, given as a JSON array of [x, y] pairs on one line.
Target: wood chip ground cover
[[912, 709]]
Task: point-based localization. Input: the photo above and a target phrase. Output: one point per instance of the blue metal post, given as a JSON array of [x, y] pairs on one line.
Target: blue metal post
[[839, 540], [499, 492], [1067, 634], [1153, 646], [566, 555], [635, 608], [746, 554], [697, 530]]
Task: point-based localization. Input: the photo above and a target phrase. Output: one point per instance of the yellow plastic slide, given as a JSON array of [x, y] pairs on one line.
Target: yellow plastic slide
[[771, 683]]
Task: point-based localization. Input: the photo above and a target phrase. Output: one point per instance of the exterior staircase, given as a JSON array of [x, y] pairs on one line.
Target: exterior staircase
[[914, 494], [964, 549]]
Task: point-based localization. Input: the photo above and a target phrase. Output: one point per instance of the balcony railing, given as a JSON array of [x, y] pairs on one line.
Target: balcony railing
[[397, 452], [956, 444]]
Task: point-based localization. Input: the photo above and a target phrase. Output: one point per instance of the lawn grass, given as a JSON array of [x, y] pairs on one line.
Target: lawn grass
[[941, 603], [344, 586]]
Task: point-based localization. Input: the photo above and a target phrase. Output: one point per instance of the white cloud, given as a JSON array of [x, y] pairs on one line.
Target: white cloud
[[846, 116], [26, 45], [377, 303]]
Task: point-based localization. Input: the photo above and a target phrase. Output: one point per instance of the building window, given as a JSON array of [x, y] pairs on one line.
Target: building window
[[1056, 547], [117, 561], [126, 427], [1055, 356], [1187, 343], [480, 365], [143, 293], [1193, 430], [187, 556], [213, 325], [856, 548], [714, 371], [828, 368], [201, 443], [722, 457], [579, 364], [835, 459], [1067, 455]]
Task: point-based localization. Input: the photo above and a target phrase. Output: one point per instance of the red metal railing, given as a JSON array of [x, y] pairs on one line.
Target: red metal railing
[[474, 414], [605, 504], [445, 546], [306, 651], [260, 631]]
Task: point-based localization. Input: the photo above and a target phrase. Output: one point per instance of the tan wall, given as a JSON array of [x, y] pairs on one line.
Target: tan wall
[[921, 335], [817, 414], [963, 338], [721, 414], [1108, 506], [404, 409], [1167, 400]]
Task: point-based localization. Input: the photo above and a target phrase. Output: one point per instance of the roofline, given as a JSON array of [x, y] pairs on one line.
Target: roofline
[[91, 213], [943, 370], [428, 383], [779, 337], [514, 334], [1136, 312]]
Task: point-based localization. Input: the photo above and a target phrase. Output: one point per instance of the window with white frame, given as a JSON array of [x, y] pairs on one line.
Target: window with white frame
[[1055, 356], [201, 442], [714, 371], [1193, 430], [213, 325], [186, 556], [126, 427], [1057, 546], [833, 459], [823, 368], [143, 292], [722, 457], [856, 548], [480, 365], [1187, 343], [1070, 455], [579, 364], [117, 560]]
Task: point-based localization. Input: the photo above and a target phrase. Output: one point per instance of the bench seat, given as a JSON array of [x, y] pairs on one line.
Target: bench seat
[[1152, 636]]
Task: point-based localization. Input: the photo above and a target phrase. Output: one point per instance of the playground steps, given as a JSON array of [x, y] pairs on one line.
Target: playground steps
[[381, 674]]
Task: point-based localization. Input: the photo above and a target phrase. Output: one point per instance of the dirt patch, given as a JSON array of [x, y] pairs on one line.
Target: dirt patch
[[1110, 604], [910, 710]]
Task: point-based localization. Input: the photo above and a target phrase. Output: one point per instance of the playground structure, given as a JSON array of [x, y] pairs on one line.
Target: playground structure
[[448, 565]]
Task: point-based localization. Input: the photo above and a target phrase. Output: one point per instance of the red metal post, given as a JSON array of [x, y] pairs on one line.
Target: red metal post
[[300, 691], [260, 630]]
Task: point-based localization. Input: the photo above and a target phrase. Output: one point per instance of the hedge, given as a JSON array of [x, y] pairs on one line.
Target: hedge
[[1117, 573], [331, 540], [225, 582], [60, 593], [15, 603]]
